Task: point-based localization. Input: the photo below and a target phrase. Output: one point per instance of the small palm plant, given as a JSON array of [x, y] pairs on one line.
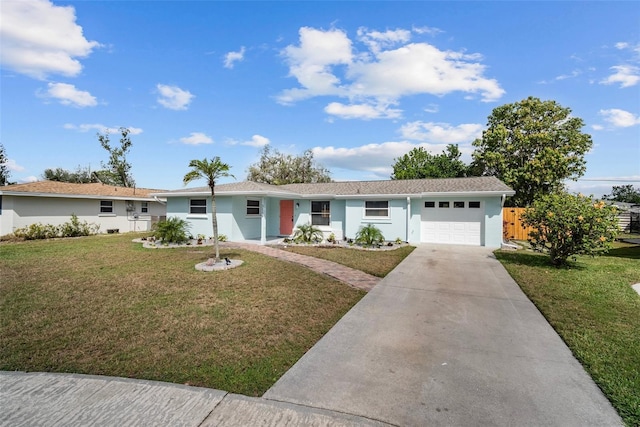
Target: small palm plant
[[171, 230], [369, 235], [307, 233]]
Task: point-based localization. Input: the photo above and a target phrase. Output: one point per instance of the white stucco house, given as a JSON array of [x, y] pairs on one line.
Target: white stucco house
[[50, 202], [465, 211]]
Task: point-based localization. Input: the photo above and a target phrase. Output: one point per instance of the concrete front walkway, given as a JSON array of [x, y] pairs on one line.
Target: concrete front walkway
[[447, 339]]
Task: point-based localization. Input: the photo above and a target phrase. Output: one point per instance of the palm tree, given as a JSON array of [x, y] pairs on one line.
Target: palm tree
[[211, 171]]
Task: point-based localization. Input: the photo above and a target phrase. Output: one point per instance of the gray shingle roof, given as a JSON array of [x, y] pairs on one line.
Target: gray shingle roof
[[487, 184]]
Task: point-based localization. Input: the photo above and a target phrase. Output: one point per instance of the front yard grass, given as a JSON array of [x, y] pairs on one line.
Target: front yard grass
[[104, 305], [376, 263], [596, 312]]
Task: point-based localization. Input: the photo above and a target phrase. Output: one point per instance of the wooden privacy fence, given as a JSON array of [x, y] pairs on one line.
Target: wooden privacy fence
[[512, 228]]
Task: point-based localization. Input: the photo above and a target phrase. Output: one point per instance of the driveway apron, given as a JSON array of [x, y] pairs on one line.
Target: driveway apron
[[447, 338]]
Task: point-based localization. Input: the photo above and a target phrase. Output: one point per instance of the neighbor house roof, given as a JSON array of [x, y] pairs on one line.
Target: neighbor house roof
[[67, 189], [487, 185]]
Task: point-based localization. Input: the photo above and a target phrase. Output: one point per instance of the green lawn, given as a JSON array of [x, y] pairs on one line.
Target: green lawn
[[376, 263], [104, 305], [594, 309]]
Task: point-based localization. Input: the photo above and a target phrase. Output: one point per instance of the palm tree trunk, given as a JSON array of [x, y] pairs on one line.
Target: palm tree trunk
[[214, 222]]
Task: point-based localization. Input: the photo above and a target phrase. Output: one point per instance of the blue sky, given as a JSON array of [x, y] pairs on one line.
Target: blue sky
[[360, 83]]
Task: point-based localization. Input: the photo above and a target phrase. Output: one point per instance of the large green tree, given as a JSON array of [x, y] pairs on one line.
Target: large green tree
[[5, 173], [278, 168], [418, 164], [624, 193], [533, 146], [210, 170], [80, 175], [117, 169]]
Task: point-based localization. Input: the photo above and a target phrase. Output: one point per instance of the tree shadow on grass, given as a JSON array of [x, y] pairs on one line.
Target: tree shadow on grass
[[531, 259], [631, 252]]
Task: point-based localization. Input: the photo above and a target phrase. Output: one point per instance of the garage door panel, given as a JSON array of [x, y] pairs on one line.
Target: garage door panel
[[454, 226]]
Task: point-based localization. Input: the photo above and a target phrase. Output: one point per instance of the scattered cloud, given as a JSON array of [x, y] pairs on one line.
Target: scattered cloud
[[27, 179], [432, 31], [362, 111], [86, 127], [13, 166], [67, 94], [40, 38], [620, 118], [257, 141], [196, 138], [597, 127], [232, 57], [389, 67], [431, 108], [174, 98], [626, 75], [441, 133]]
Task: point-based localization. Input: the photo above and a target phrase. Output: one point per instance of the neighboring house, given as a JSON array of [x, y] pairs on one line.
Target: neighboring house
[[464, 211], [52, 202], [628, 216]]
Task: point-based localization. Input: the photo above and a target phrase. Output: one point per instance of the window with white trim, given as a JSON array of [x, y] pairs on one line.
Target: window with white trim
[[106, 206], [253, 207], [376, 208], [197, 206], [320, 212], [144, 207]]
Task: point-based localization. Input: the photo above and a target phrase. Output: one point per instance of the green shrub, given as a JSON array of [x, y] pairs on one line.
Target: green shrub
[[73, 228], [307, 233], [171, 230], [566, 225], [369, 235]]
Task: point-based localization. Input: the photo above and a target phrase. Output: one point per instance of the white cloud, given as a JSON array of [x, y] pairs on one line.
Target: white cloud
[[442, 133], [324, 64], [256, 141], [620, 118], [67, 94], [361, 111], [626, 75], [174, 98], [27, 179], [86, 127], [427, 30], [232, 57], [13, 166], [40, 38], [375, 158], [597, 127], [196, 138]]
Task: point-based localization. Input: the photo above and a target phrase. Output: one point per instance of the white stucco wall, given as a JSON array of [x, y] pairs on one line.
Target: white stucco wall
[[22, 211]]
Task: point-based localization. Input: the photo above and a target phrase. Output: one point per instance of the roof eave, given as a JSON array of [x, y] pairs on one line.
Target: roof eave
[[149, 198]]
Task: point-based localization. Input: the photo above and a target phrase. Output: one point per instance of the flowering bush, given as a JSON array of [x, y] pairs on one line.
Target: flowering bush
[[567, 225]]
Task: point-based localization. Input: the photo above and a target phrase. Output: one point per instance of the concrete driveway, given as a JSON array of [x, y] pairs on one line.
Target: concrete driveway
[[447, 338]]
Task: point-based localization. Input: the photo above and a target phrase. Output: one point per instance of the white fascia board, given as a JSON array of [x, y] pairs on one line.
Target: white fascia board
[[76, 196], [376, 196], [468, 193]]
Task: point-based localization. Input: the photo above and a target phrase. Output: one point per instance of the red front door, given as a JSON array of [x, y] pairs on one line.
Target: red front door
[[286, 217]]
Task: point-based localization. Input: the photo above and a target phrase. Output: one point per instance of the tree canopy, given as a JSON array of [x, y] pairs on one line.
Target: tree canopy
[[624, 193], [533, 146], [5, 173], [80, 175], [278, 168], [418, 164], [117, 171]]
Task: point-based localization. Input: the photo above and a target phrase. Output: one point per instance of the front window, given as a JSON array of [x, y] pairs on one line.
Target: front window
[[253, 207], [376, 208], [106, 206], [198, 206], [320, 213], [144, 207]]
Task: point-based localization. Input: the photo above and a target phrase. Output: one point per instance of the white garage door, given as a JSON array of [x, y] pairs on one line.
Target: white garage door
[[454, 222]]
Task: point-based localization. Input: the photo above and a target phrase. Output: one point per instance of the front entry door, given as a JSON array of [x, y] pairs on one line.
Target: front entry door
[[286, 217]]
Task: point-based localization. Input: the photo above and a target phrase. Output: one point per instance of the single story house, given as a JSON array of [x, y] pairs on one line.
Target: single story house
[[51, 202], [465, 211]]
